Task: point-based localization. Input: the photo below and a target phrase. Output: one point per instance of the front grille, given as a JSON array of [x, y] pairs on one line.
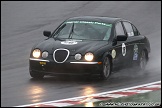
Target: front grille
[[60, 55]]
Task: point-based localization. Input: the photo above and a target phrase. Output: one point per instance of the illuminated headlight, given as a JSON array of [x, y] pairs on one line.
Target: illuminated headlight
[[36, 53], [45, 54], [78, 56], [89, 56]]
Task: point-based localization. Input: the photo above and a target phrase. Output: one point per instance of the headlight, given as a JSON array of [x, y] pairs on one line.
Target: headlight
[[36, 53], [45, 54], [89, 56]]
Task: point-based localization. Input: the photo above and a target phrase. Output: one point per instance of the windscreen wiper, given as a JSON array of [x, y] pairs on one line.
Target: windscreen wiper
[[58, 32], [72, 29]]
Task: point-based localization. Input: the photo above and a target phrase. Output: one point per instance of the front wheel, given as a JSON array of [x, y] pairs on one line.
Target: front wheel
[[36, 75], [106, 69]]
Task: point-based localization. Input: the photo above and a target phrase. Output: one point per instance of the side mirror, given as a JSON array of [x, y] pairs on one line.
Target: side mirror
[[47, 33], [121, 37]]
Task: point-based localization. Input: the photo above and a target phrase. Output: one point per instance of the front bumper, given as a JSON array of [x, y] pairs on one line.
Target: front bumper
[[75, 68]]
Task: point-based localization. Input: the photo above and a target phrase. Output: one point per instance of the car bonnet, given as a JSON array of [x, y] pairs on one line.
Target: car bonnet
[[74, 46]]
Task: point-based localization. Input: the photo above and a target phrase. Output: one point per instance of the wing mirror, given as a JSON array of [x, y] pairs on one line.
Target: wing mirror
[[121, 37], [47, 33]]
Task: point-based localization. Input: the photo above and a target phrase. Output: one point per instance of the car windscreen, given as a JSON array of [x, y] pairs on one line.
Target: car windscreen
[[83, 30]]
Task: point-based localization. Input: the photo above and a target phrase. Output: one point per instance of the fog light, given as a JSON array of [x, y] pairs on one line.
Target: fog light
[[45, 54], [78, 56]]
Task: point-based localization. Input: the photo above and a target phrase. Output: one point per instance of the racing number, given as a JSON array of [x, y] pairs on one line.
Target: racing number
[[123, 49]]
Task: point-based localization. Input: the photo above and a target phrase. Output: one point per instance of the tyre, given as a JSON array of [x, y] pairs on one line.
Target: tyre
[[36, 75], [106, 69], [142, 61]]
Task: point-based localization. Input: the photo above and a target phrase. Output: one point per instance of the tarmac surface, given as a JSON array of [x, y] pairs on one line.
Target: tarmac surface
[[22, 26]]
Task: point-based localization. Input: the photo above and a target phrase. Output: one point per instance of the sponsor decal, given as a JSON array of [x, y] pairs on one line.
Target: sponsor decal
[[123, 49], [90, 22], [69, 42], [113, 53], [135, 54], [131, 34]]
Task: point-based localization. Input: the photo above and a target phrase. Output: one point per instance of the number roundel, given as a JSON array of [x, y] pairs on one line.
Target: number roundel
[[123, 49]]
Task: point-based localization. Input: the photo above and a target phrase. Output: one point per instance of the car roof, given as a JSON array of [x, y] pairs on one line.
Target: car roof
[[96, 18]]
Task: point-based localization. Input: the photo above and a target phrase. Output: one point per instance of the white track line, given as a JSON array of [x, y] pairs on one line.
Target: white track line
[[79, 98]]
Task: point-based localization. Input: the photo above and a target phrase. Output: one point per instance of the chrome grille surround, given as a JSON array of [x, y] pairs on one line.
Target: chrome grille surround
[[65, 57]]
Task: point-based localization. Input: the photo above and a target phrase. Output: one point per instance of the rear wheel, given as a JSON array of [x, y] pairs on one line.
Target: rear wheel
[[142, 60], [106, 69], [36, 75]]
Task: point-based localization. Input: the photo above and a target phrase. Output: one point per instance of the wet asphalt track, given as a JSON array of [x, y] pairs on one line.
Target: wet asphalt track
[[22, 25]]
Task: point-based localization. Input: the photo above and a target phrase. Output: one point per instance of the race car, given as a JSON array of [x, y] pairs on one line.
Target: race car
[[89, 45]]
